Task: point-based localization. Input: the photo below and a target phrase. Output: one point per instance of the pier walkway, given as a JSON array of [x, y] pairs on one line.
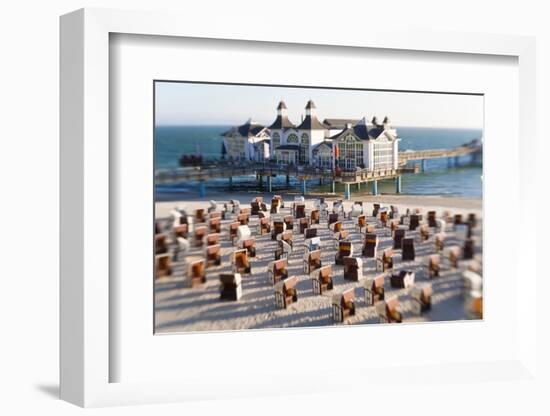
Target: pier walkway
[[227, 169], [466, 149]]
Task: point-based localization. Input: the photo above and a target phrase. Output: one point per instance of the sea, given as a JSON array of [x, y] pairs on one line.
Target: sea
[[439, 178]]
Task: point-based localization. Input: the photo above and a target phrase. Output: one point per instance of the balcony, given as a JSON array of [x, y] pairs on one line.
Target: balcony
[[364, 175]]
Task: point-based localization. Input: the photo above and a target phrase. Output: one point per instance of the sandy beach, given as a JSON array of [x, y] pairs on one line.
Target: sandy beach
[[459, 204], [179, 308]]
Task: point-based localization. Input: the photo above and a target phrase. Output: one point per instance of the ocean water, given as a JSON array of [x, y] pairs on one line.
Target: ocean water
[[438, 179]]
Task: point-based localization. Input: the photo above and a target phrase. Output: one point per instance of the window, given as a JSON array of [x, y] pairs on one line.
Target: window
[[350, 153], [286, 157], [323, 158], [275, 140], [325, 162], [292, 138], [304, 149], [383, 155]]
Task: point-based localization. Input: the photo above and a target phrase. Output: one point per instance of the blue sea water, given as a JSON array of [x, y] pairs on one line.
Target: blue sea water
[[438, 179]]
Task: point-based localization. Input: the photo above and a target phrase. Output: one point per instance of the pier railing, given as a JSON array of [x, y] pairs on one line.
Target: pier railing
[[231, 168], [409, 155], [228, 169], [364, 175]]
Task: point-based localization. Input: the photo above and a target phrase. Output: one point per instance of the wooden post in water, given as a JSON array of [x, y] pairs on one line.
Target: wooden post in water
[[398, 185], [333, 187], [347, 191], [304, 189], [375, 187], [269, 183]]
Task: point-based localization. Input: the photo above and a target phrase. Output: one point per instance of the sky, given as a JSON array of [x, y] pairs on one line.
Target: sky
[[180, 103]]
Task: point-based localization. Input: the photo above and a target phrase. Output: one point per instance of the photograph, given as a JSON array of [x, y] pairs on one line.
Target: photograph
[[284, 206]]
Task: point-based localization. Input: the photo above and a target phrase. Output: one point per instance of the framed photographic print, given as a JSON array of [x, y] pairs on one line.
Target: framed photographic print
[[239, 213], [367, 222]]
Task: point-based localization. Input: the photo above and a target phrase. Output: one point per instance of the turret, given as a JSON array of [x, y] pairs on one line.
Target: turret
[[310, 108], [310, 122], [363, 121], [281, 108], [282, 121]]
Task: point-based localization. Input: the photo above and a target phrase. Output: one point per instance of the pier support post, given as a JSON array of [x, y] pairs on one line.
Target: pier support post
[[304, 189], [231, 182], [333, 188], [375, 187], [269, 185], [449, 162], [261, 182], [202, 189], [347, 191], [358, 186], [321, 181], [456, 161], [287, 180], [398, 185], [423, 165]]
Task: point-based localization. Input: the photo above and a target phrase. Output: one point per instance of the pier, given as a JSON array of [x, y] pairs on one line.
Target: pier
[[472, 148], [268, 169]]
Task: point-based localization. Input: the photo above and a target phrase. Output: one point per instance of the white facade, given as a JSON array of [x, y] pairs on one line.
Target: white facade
[[352, 144], [370, 146], [322, 155], [261, 150], [241, 142]]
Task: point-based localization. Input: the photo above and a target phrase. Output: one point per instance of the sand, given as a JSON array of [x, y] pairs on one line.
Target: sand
[[179, 308], [458, 204]]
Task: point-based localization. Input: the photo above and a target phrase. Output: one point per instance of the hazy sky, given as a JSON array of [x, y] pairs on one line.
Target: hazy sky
[[187, 103]]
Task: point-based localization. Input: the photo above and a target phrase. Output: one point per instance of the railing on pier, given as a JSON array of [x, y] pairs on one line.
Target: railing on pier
[[229, 168], [364, 175], [409, 155]]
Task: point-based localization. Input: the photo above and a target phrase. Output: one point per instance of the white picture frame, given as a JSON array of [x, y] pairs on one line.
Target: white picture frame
[[86, 353]]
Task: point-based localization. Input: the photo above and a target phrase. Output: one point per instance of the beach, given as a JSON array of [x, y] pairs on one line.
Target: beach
[[435, 202], [179, 308]]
